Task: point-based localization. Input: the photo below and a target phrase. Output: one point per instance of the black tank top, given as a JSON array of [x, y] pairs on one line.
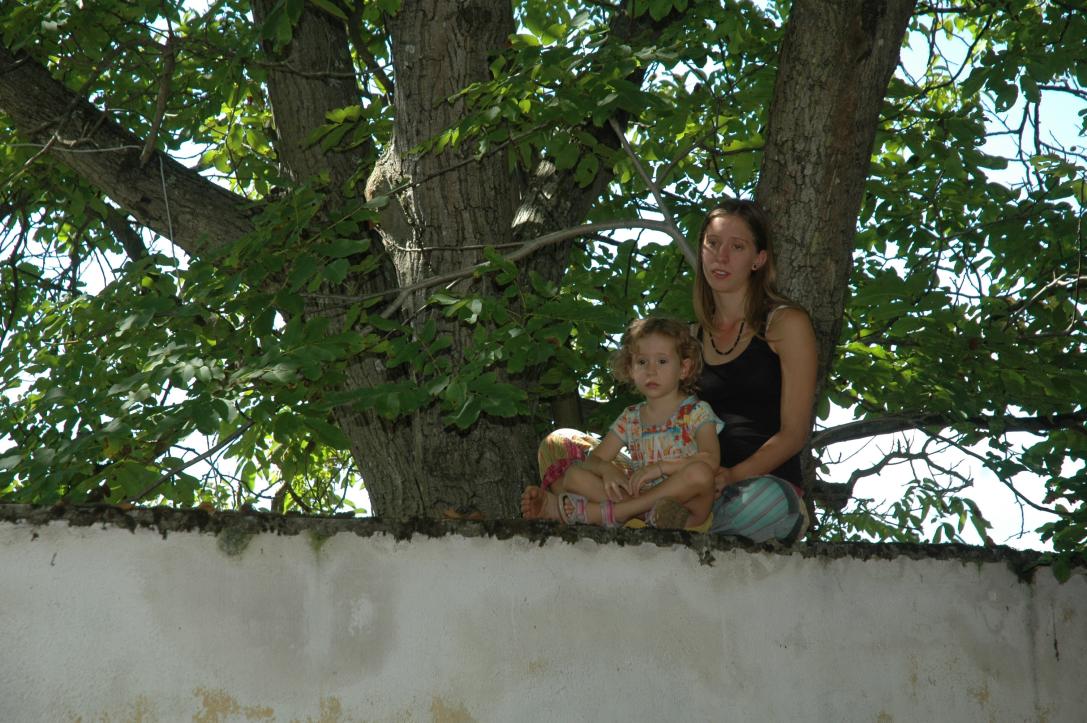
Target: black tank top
[[746, 394]]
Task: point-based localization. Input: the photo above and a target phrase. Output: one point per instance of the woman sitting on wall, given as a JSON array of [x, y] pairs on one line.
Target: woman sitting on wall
[[758, 374]]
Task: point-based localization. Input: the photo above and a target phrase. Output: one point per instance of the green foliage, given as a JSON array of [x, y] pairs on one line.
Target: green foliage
[[967, 292], [967, 303]]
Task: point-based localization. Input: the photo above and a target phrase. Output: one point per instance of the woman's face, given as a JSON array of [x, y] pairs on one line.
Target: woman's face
[[729, 253]]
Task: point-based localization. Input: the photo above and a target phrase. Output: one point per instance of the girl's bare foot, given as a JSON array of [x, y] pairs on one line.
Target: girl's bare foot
[[539, 504]]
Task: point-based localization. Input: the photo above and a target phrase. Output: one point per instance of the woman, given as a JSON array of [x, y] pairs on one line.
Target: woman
[[758, 375]]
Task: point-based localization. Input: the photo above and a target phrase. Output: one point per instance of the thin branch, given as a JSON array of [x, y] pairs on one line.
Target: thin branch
[[30, 161], [185, 465], [672, 229], [1078, 92], [367, 57], [1006, 482], [525, 249], [166, 81], [528, 248], [477, 158]]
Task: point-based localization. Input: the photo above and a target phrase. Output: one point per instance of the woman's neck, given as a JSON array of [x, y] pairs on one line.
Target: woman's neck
[[730, 307]]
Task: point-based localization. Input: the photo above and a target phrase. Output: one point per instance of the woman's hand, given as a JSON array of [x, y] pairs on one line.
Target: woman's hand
[[722, 479]]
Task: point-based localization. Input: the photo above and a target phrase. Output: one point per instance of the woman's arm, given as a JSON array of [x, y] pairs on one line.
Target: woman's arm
[[792, 338]]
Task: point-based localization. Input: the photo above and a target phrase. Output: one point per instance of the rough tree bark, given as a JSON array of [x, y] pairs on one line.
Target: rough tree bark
[[425, 227], [836, 59]]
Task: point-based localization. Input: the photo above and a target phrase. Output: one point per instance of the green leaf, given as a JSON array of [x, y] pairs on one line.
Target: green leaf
[[305, 266], [328, 434], [586, 170], [467, 415], [331, 8]]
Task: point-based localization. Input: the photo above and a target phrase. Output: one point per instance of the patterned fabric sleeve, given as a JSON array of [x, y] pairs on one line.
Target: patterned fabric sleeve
[[621, 426], [699, 414]]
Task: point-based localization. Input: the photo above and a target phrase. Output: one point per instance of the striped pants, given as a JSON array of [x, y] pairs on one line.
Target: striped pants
[[759, 509]]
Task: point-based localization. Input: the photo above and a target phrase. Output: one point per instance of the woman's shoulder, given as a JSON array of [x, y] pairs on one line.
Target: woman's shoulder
[[785, 317], [788, 324]]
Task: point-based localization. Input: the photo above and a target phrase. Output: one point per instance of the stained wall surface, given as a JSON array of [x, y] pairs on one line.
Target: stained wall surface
[[100, 622]]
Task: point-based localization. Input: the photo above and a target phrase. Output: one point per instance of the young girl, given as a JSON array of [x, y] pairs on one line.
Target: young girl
[[671, 437]]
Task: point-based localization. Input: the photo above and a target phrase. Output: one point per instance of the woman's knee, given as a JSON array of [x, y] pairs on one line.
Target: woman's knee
[[697, 478]]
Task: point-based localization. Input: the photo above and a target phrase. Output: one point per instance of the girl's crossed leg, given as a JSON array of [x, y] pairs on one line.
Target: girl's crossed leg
[[692, 487]]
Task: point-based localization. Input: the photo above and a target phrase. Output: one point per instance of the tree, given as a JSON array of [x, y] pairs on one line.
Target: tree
[[389, 242]]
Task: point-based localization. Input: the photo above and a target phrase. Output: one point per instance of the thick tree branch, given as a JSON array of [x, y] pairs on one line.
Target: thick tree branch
[[818, 149], [129, 238], [819, 144], [107, 156], [324, 81], [864, 428]]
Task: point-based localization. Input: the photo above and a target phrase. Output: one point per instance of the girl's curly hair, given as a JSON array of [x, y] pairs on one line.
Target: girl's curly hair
[[687, 347]]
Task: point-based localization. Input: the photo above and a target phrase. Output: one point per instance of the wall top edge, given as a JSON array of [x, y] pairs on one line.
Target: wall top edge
[[165, 520]]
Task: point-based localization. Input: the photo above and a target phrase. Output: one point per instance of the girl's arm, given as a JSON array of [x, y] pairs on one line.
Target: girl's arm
[[709, 451], [600, 459], [792, 338]]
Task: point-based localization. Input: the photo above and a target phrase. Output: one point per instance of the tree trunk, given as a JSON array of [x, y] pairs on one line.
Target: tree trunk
[[424, 467], [837, 57]]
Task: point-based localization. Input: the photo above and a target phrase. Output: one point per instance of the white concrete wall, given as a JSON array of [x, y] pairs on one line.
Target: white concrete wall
[[99, 623]]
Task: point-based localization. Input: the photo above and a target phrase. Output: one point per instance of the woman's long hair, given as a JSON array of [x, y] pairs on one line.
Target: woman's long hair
[[762, 293]]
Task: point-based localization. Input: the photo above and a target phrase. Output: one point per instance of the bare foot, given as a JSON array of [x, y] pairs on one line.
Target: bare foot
[[539, 504]]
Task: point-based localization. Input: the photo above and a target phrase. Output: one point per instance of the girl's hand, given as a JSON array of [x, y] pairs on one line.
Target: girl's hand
[[615, 484], [644, 476]]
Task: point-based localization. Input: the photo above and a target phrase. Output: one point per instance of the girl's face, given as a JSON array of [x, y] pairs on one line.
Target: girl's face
[[729, 253], [655, 366]]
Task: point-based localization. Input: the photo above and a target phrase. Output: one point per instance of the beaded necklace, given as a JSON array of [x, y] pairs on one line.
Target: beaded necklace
[[734, 344]]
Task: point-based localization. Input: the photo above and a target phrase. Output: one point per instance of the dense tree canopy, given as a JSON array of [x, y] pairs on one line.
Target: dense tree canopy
[[260, 252]]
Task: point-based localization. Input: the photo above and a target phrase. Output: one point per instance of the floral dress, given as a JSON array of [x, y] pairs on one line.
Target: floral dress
[[675, 439]]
